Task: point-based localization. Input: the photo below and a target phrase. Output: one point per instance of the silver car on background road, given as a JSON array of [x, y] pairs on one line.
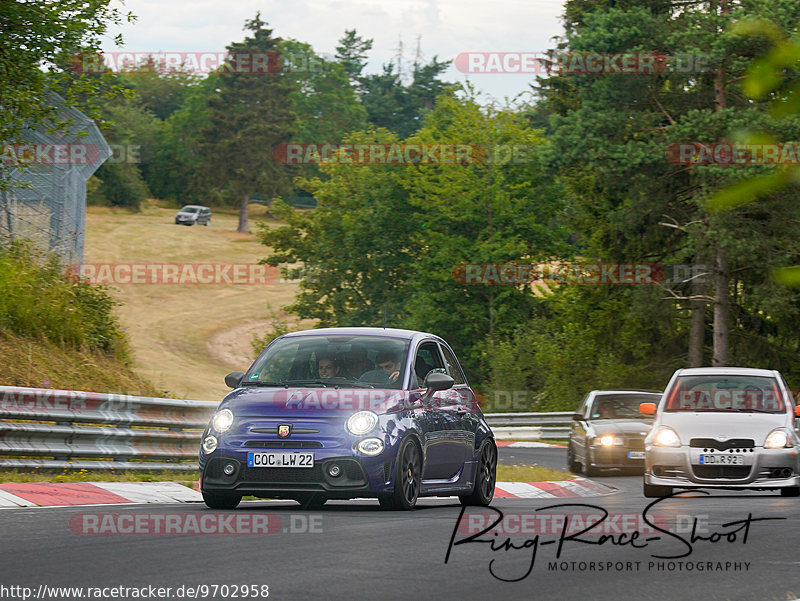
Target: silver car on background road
[[193, 214], [608, 431], [723, 427]]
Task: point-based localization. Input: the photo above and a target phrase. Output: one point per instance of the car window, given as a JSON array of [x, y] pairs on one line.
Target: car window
[[428, 359], [726, 393], [452, 365], [606, 406], [583, 406], [189, 210], [343, 358]]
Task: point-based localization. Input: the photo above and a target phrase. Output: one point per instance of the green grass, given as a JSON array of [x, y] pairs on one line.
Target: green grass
[[530, 473], [97, 476]]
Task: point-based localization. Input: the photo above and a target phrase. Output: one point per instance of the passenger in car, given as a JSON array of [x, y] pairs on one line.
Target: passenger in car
[[327, 366]]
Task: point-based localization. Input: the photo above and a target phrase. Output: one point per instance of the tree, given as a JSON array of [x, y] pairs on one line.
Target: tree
[[38, 48], [499, 208], [323, 100], [392, 105], [162, 92], [628, 202], [383, 243], [177, 169], [249, 114], [352, 251], [351, 54]]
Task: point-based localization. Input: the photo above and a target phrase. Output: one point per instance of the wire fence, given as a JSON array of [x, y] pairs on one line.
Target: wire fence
[[46, 202]]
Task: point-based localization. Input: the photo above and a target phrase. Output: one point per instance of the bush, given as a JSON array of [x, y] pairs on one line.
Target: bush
[[38, 299]]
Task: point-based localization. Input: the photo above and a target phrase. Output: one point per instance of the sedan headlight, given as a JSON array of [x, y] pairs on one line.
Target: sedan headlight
[[608, 441], [222, 420], [666, 437], [777, 439], [361, 422], [370, 446]]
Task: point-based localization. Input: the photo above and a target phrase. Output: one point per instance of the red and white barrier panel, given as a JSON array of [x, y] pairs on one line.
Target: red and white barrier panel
[[54, 494]]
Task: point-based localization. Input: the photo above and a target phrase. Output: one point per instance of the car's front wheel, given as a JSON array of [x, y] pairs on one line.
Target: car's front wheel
[[221, 500], [588, 467], [652, 491], [407, 478], [574, 466], [485, 478]]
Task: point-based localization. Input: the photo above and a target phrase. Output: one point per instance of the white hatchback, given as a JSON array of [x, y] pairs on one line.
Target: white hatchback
[[723, 427]]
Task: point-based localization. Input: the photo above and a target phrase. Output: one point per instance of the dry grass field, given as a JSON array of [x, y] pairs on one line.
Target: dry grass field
[[186, 337]]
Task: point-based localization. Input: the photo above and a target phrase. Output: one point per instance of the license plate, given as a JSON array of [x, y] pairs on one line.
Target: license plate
[[635, 454], [721, 459], [280, 459]]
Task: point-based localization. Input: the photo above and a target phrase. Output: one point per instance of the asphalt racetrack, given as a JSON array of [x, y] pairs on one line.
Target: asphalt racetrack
[[720, 546]]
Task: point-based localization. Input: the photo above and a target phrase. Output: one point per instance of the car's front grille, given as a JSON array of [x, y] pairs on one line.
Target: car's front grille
[[635, 444], [283, 474], [722, 445], [730, 472], [284, 444]]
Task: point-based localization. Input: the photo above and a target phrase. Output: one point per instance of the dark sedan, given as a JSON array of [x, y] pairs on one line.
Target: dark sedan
[[608, 431], [341, 413]]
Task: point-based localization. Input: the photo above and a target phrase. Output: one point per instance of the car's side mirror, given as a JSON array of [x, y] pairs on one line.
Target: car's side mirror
[[647, 408], [438, 381], [233, 379], [577, 416]]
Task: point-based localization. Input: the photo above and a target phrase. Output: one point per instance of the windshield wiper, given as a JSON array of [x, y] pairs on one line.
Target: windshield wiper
[[264, 383], [289, 383]]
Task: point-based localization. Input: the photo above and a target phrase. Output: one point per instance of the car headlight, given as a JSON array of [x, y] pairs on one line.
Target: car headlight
[[222, 420], [210, 444], [666, 437], [370, 446], [607, 441], [361, 422], [777, 439]]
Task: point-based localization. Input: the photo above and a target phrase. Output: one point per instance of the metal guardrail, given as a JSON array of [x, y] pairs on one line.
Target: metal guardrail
[[55, 429], [90, 430], [532, 426]]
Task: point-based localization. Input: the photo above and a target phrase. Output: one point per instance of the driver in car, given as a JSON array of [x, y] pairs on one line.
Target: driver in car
[[389, 369]]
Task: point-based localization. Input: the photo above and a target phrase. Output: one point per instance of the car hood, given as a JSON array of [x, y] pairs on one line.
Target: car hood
[[317, 402], [181, 214], [693, 424], [622, 426]]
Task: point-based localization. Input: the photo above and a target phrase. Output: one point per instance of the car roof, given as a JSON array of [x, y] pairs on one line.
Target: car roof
[[384, 332], [193, 207], [726, 371]]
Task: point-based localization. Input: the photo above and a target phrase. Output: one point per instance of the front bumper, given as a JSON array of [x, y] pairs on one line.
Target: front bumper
[[359, 476], [681, 468], [617, 456]]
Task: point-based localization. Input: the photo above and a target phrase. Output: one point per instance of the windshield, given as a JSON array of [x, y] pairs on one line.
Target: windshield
[[726, 394], [343, 361], [189, 210], [620, 406]]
